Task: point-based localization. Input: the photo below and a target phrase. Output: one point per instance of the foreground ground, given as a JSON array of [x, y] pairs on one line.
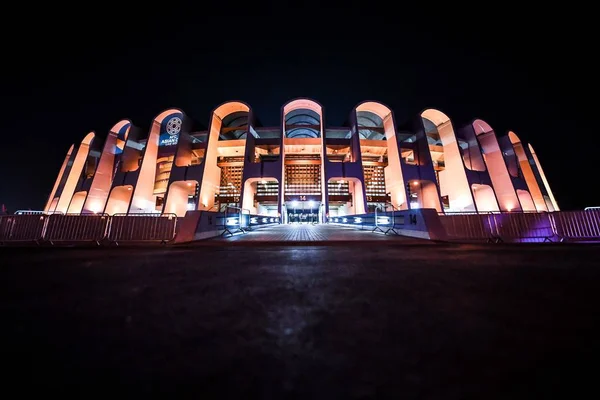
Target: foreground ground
[[347, 321]]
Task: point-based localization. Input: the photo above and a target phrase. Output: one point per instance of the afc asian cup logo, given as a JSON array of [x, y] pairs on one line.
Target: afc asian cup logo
[[174, 126]]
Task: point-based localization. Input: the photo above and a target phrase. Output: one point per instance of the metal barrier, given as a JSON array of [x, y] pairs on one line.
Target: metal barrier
[[232, 221], [576, 225], [491, 227], [387, 220], [523, 227], [22, 228], [77, 228], [261, 220], [470, 227], [142, 227]]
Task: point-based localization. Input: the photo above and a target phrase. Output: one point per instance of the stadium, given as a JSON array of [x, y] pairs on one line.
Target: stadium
[[302, 170]]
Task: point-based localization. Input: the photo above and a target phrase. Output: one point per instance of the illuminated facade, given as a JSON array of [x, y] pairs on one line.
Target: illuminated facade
[[301, 170]]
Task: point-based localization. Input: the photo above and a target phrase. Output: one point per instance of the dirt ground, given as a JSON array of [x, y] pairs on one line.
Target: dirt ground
[[306, 322]]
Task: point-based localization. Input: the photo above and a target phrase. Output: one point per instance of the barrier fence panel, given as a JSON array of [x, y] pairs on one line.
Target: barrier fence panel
[[577, 225], [469, 226], [76, 228], [142, 227], [261, 220], [523, 227], [22, 228]]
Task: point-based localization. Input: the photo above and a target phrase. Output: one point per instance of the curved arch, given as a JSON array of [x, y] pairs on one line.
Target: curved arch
[[304, 136], [303, 103], [532, 184], [394, 179], [103, 178], [211, 178], [448, 160], [496, 166], [120, 125], [437, 117], [87, 140], [379, 109], [229, 107], [145, 196], [544, 180], [163, 114], [75, 173]]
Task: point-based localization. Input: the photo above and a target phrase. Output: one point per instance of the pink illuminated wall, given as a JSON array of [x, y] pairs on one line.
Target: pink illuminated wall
[[119, 199], [453, 179], [74, 174], [103, 178], [143, 200], [394, 181], [52, 201], [77, 203], [532, 185], [552, 204], [492, 155]]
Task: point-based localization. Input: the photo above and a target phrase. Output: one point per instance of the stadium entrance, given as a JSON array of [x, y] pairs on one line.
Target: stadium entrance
[[303, 212]]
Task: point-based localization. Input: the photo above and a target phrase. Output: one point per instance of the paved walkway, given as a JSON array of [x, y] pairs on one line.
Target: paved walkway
[[308, 233]]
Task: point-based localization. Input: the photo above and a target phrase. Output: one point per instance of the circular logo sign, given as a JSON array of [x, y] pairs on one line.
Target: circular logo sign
[[174, 126]]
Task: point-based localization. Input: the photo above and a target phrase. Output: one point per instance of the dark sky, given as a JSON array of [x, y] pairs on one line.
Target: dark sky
[[73, 73]]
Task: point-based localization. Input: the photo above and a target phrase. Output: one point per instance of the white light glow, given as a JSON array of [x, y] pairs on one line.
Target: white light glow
[[311, 204], [231, 221], [294, 203], [357, 220], [383, 220]]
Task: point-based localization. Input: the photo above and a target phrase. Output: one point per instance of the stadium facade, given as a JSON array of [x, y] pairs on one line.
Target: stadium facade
[[301, 170]]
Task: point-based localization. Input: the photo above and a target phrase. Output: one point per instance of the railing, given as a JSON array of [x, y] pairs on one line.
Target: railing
[[22, 228], [74, 228], [497, 227], [233, 221], [577, 225], [559, 226], [142, 227], [387, 221], [94, 228], [523, 226]]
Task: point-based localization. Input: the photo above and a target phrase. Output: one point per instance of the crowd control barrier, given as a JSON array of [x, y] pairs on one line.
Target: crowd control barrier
[[469, 227], [22, 228], [421, 223], [76, 228], [577, 225], [142, 227], [559, 226]]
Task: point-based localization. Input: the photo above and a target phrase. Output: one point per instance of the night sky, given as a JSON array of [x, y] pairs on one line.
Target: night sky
[[74, 75]]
